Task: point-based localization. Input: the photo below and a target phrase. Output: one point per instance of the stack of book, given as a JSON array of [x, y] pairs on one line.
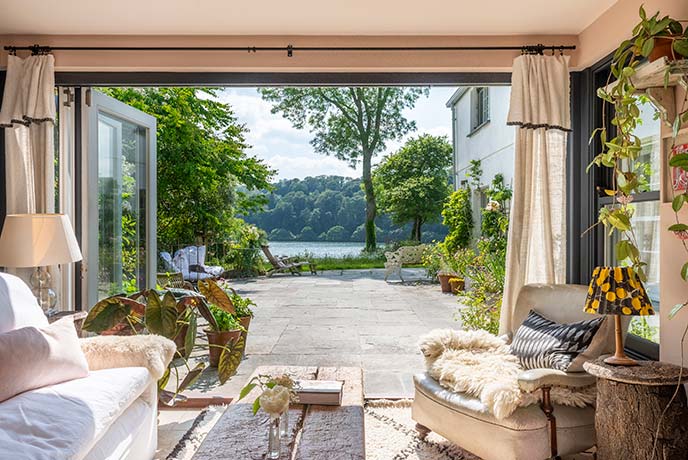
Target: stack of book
[[322, 392]]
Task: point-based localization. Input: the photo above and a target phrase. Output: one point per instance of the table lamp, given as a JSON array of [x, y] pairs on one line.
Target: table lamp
[[617, 291], [38, 240]]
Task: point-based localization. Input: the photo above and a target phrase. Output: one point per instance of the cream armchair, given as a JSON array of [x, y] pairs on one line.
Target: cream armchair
[[533, 432]]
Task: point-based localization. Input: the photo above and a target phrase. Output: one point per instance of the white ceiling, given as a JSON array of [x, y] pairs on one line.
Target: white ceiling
[[299, 17]]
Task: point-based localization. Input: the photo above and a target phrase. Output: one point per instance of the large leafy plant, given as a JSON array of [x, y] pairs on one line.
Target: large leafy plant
[[171, 313]]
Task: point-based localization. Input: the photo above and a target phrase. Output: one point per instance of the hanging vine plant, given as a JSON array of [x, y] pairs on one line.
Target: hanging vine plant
[[621, 149]]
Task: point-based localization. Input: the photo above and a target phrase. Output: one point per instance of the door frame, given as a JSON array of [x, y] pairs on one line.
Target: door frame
[[94, 103]]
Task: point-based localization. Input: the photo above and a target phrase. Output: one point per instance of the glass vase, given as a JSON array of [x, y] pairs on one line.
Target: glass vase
[[284, 424], [274, 439]]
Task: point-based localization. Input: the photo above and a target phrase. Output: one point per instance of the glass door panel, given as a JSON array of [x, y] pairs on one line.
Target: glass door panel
[[121, 199]]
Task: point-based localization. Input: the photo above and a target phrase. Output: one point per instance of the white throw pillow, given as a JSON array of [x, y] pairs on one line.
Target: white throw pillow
[[34, 357], [18, 305]]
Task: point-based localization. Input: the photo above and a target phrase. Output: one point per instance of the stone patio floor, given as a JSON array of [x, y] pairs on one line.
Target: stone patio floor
[[337, 318]]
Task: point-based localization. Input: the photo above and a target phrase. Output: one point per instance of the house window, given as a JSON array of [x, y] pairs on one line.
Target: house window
[[644, 330], [480, 108]]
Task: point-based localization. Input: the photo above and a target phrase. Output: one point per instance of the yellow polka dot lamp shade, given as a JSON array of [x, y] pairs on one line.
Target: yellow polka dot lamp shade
[[617, 291]]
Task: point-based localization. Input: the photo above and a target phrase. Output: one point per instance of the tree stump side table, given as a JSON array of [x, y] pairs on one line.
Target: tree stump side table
[[630, 401]]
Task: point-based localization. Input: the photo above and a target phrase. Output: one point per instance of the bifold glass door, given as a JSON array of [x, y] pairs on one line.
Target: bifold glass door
[[120, 198]]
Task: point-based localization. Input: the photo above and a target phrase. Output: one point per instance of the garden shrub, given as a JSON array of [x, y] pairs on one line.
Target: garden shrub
[[458, 218]]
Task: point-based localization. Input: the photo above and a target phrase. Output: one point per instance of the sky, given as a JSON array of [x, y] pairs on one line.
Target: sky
[[288, 150]]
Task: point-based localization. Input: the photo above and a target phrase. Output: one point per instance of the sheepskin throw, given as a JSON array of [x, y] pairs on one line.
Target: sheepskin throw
[[479, 364], [153, 352]]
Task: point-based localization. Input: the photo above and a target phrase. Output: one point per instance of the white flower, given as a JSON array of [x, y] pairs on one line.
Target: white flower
[[493, 205], [275, 400]]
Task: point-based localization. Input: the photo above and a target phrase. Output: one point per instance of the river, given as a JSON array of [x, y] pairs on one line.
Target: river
[[315, 248]]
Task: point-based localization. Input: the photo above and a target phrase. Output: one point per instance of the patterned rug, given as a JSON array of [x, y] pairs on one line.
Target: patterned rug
[[390, 435], [389, 432]]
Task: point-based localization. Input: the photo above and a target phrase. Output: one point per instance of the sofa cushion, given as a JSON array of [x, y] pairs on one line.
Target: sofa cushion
[[18, 305], [66, 420], [542, 343], [34, 357]]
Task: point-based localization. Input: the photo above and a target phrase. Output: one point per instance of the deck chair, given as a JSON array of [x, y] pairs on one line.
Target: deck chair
[[286, 264]]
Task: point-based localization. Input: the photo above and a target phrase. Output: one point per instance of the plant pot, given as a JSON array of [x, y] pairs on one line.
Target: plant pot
[[245, 323], [444, 282], [219, 339], [457, 285], [662, 48]]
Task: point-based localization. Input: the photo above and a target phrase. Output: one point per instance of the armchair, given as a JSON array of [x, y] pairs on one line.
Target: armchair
[[532, 432]]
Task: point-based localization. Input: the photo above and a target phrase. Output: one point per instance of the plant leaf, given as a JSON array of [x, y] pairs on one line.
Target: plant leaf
[[161, 314], [684, 272], [230, 359], [246, 390], [677, 202], [256, 406], [203, 309], [106, 314], [679, 161], [191, 377], [681, 47], [678, 228], [190, 338], [677, 308], [216, 295]]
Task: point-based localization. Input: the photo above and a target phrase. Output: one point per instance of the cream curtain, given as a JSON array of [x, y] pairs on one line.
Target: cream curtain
[[540, 107], [28, 116]]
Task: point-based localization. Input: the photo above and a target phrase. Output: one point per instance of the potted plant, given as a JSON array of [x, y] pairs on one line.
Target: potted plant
[[226, 329], [456, 284], [656, 37]]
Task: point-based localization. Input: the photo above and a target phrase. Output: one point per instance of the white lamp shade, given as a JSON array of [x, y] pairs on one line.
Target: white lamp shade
[[37, 240]]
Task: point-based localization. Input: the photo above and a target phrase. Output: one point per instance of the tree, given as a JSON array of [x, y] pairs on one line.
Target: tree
[[413, 183], [352, 124], [204, 176]]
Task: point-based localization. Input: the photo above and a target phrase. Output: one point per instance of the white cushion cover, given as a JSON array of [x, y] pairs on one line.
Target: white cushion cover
[[18, 305], [66, 420]]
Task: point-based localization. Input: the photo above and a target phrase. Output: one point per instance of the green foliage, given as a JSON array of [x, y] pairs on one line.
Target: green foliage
[[412, 184], [225, 321], [639, 326], [483, 301], [244, 253], [351, 124], [204, 176], [458, 217], [439, 258], [362, 261], [242, 305], [310, 207], [495, 216], [474, 173]]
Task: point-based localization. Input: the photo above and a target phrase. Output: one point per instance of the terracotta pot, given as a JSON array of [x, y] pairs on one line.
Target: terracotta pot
[[456, 285], [245, 322], [662, 48], [444, 281], [220, 339]]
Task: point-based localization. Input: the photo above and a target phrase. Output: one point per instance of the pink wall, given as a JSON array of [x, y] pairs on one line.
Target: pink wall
[[277, 61]]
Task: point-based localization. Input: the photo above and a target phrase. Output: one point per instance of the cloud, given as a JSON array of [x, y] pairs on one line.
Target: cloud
[[287, 149]]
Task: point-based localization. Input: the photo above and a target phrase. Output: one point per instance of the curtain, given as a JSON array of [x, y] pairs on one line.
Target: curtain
[[540, 108], [28, 116]]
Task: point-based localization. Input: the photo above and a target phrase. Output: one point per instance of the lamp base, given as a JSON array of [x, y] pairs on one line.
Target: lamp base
[[620, 361]]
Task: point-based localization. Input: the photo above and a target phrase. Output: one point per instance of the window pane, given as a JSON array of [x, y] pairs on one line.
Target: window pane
[[646, 227], [649, 132], [121, 206]]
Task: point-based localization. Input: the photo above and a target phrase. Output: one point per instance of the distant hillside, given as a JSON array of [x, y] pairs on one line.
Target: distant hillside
[[326, 208]]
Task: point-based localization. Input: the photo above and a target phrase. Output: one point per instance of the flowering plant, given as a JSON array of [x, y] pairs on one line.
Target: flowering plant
[[493, 205], [277, 393]]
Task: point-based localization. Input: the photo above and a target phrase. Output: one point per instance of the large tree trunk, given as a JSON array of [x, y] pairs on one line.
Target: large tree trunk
[[371, 207], [415, 231]]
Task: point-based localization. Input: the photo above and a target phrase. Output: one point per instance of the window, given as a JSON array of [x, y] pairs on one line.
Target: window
[[480, 108], [644, 331]]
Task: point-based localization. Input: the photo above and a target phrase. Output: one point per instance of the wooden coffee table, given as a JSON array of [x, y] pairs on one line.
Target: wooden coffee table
[[315, 432]]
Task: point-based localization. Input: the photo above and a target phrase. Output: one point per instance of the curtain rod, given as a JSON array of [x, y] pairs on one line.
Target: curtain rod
[[290, 49]]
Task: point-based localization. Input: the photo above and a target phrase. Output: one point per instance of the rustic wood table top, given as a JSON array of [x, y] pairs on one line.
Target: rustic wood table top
[[314, 432], [652, 373]]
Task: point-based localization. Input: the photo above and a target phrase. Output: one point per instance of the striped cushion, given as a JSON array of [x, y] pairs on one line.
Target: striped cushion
[[543, 343]]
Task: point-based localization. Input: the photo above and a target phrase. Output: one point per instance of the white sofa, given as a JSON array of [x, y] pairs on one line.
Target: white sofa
[[110, 414]]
